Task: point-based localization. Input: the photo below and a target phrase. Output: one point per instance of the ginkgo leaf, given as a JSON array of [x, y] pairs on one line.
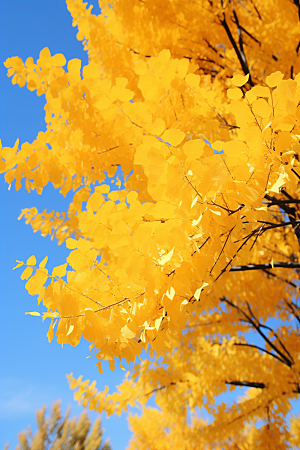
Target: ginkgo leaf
[[43, 263], [173, 136], [58, 60], [194, 201], [192, 80], [166, 258], [71, 243], [20, 264], [170, 293], [281, 181], [199, 290], [50, 332], [261, 108], [260, 91], [60, 271], [70, 330], [234, 94], [31, 261], [27, 273], [182, 67], [239, 80], [274, 79]]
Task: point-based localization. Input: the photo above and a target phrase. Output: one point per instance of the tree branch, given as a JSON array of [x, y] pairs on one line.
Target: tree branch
[[283, 265], [247, 384], [250, 320], [241, 57]]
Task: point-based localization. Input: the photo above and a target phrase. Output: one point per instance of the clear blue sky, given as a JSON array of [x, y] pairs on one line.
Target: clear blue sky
[[32, 370]]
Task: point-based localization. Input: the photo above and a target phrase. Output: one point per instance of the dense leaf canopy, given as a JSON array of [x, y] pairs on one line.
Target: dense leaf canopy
[[196, 257]]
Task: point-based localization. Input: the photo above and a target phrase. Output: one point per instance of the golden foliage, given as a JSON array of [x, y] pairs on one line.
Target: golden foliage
[[196, 257], [57, 432]]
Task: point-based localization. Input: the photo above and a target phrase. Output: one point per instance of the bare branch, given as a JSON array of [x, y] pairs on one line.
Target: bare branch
[[283, 265], [247, 384], [241, 57]]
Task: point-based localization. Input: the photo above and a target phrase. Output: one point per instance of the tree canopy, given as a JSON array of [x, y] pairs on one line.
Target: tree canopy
[[57, 432], [195, 258]]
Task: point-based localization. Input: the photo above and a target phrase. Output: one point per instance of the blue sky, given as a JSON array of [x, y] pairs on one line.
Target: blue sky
[[32, 370]]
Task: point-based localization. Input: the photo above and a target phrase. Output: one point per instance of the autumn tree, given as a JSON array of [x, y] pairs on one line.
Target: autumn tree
[[56, 432], [196, 258]]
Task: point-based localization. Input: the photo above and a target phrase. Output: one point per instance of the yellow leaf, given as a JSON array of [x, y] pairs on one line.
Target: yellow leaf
[[35, 284], [58, 60], [240, 80], [60, 271], [182, 67], [51, 315], [31, 261], [250, 96], [43, 263], [27, 273], [164, 55], [173, 136], [170, 294], [234, 94], [261, 108], [194, 201], [198, 291], [70, 330], [282, 179], [74, 66], [34, 313], [261, 91], [111, 364], [99, 365], [50, 332], [156, 128], [127, 333], [20, 264], [192, 79], [166, 258], [274, 79], [131, 197], [71, 243], [193, 149]]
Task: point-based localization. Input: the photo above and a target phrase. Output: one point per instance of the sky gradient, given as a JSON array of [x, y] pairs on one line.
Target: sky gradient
[[33, 372]]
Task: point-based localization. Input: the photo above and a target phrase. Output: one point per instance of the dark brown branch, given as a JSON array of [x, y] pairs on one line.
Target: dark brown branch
[[202, 245], [261, 349], [281, 279], [240, 248], [283, 265], [247, 32], [257, 327], [241, 57], [221, 250], [159, 389], [297, 175], [256, 10], [241, 43], [297, 4], [291, 212], [290, 306], [247, 384]]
